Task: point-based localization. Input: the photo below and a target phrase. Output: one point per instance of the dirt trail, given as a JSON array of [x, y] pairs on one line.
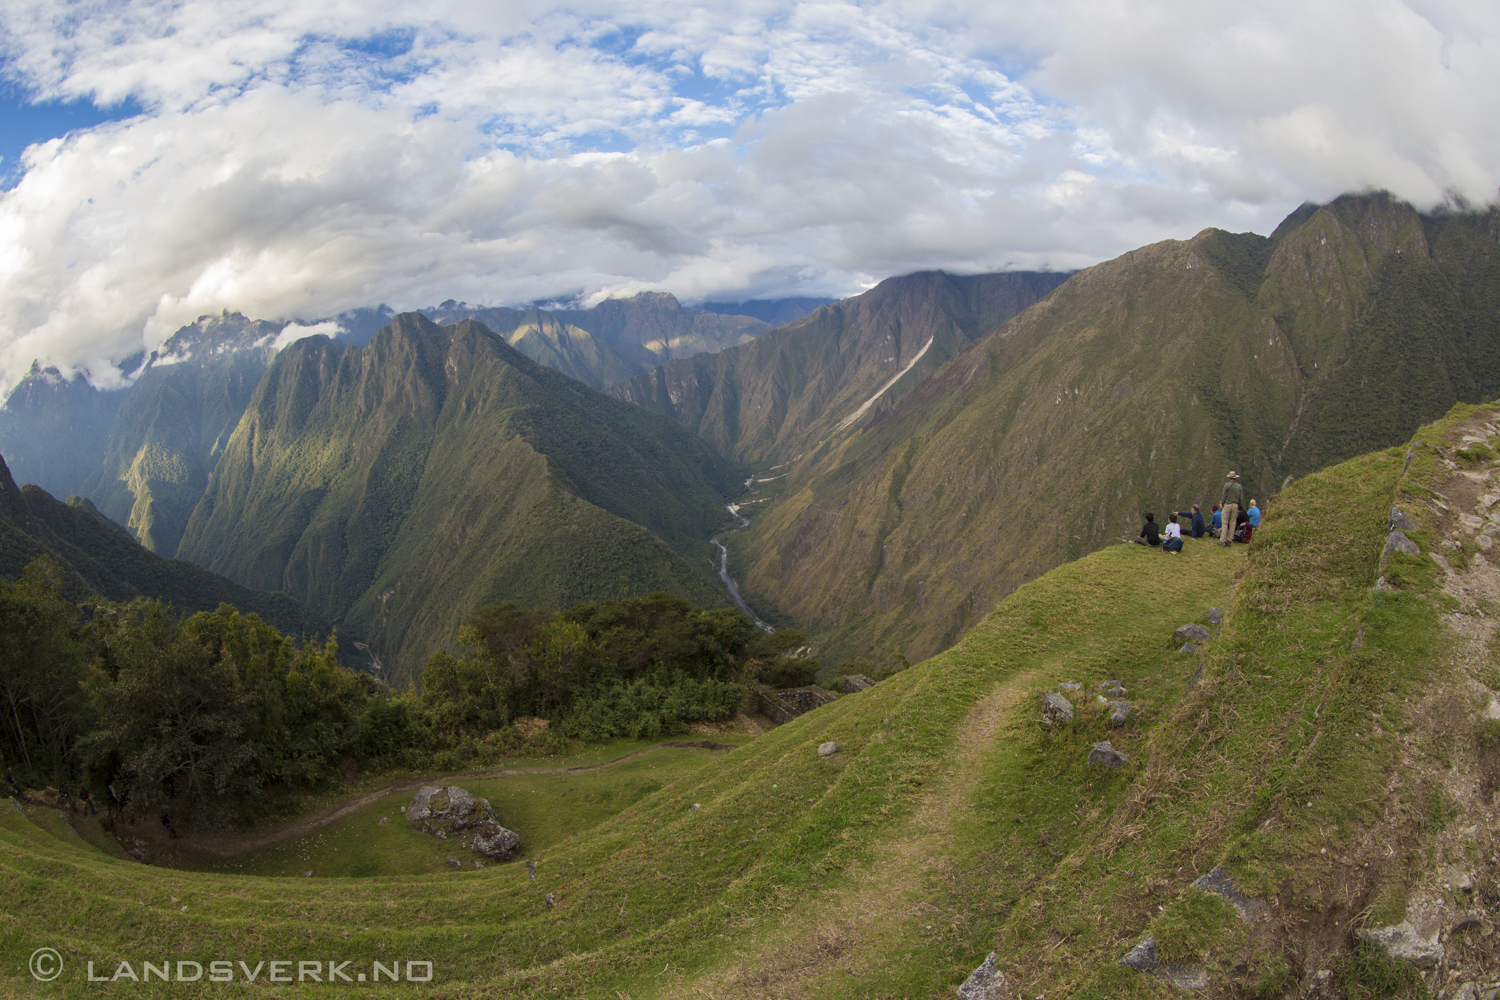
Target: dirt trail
[[846, 929], [229, 844]]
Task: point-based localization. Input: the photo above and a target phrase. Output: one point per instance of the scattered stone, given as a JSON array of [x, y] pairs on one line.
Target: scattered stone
[[1380, 584], [1485, 543], [1471, 522], [827, 749], [383, 821], [1215, 616], [855, 683], [1115, 692], [1487, 501], [307, 874], [1119, 711], [1105, 755], [1358, 643], [1191, 633], [452, 810], [1107, 684], [531, 869], [1070, 686], [1220, 884], [696, 807], [478, 864], [1398, 542], [1451, 545], [550, 901], [1419, 946], [1056, 709], [1400, 520], [1197, 676], [1468, 991], [454, 862], [1142, 958], [140, 855], [986, 982], [1492, 528], [1190, 647], [1447, 566]]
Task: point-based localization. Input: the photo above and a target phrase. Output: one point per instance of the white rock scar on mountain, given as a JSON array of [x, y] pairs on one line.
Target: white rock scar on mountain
[[878, 392]]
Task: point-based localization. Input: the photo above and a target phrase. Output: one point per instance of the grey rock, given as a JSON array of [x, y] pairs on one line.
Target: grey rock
[[1408, 942], [478, 864], [1070, 686], [855, 683], [1380, 584], [531, 869], [1197, 676], [1105, 755], [307, 874], [140, 855], [1397, 541], [827, 749], [1115, 693], [1400, 521], [1470, 521], [1468, 991], [446, 811], [1485, 543], [1191, 633], [1447, 566], [1190, 647], [1215, 616], [1142, 958], [696, 807], [1119, 711], [1220, 884], [500, 845], [1056, 708], [986, 982], [383, 821], [1184, 977], [550, 901], [454, 862], [1107, 684]]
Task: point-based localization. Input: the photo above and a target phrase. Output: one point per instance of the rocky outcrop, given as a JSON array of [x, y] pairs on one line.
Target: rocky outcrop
[[453, 813]]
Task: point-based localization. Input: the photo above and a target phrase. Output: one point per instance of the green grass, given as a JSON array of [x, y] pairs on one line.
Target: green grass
[[948, 825]]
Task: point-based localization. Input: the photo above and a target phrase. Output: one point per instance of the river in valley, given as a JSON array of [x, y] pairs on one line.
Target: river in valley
[[734, 591]]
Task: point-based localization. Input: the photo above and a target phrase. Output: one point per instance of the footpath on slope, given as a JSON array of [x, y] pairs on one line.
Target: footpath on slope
[[228, 844]]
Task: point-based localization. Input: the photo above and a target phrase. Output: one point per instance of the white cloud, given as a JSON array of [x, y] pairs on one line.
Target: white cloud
[[297, 160], [293, 332]]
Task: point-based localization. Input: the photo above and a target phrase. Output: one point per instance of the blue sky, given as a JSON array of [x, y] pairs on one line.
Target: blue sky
[[290, 160]]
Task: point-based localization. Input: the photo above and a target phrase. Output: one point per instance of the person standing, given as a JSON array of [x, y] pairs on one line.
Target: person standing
[[1233, 499]]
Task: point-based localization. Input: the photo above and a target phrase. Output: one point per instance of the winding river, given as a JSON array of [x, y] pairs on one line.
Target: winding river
[[734, 591]]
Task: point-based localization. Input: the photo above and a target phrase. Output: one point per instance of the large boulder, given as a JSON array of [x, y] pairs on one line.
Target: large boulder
[[1056, 709], [1191, 633], [453, 813]]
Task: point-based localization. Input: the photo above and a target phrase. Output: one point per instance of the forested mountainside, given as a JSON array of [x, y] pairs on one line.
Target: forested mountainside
[[1134, 387], [99, 559], [398, 486], [785, 392]]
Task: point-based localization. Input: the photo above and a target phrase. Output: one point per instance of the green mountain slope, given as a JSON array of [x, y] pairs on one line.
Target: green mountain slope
[[174, 422], [99, 558], [1332, 747], [788, 390], [1134, 387], [400, 485]]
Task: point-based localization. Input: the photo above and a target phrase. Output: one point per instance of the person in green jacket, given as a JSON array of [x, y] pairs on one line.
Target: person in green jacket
[[1234, 499]]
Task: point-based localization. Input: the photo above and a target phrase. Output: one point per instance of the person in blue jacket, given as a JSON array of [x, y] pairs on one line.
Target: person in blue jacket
[[1196, 528], [1218, 521], [1254, 513]]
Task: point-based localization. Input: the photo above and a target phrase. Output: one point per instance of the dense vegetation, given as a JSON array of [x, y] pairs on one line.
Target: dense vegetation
[[217, 716]]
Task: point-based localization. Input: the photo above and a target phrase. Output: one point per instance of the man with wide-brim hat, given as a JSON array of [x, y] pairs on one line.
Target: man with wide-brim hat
[[1233, 500]]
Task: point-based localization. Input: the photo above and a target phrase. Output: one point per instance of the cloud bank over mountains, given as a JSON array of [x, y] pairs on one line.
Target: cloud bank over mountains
[[296, 162]]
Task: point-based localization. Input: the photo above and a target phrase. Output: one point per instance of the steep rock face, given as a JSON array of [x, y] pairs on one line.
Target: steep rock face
[[55, 429], [545, 339], [400, 485], [174, 422], [1134, 387], [99, 558], [653, 327], [788, 390]]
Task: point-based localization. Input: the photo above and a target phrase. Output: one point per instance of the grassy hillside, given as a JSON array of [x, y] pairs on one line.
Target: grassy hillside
[[398, 486], [1330, 747], [99, 558], [1134, 387], [782, 394]]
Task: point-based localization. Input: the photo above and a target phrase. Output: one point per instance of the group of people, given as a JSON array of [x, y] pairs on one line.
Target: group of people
[[1230, 521]]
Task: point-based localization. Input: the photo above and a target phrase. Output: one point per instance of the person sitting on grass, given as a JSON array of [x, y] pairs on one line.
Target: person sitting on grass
[[1254, 513], [1218, 520], [1150, 531], [1174, 536]]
